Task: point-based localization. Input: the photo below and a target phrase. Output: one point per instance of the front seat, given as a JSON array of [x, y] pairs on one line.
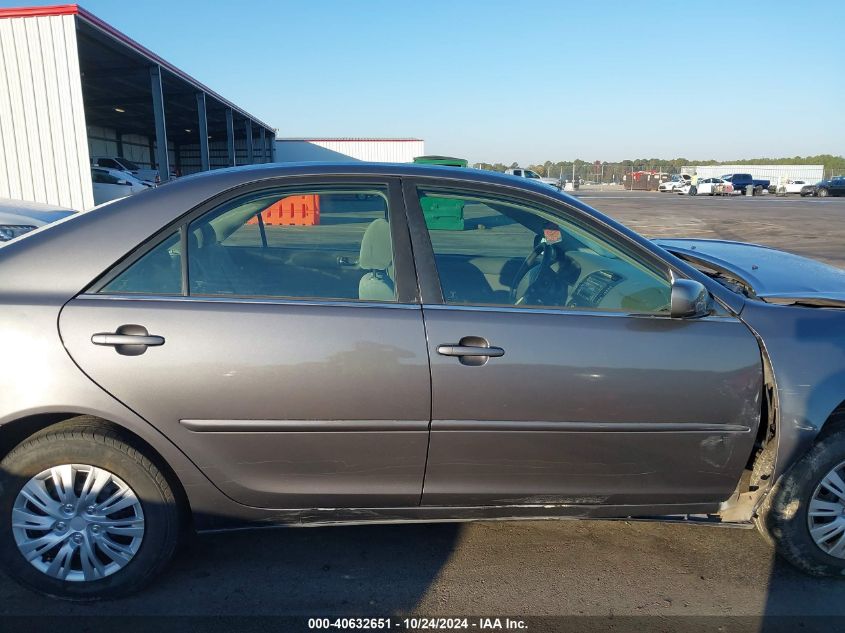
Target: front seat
[[377, 258]]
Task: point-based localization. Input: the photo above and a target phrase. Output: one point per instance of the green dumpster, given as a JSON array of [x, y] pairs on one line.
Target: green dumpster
[[446, 161], [442, 214]]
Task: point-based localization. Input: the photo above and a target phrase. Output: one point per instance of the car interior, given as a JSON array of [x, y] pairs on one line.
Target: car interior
[[510, 255], [505, 254]]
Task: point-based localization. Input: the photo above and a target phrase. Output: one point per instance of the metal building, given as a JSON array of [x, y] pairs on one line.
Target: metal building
[[75, 87], [810, 173], [378, 150]]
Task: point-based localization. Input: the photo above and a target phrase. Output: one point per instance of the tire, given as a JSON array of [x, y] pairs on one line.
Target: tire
[[148, 528], [785, 520], [822, 193]]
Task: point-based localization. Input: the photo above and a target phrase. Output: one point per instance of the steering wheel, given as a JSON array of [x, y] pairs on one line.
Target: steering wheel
[[534, 280]]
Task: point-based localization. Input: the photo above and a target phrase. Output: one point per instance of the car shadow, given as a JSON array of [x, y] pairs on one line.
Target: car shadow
[[340, 570]]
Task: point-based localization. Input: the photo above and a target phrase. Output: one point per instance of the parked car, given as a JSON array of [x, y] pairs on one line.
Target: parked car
[[741, 181], [708, 187], [18, 217], [533, 175], [147, 174], [824, 188], [111, 184], [520, 367], [794, 186], [674, 183]]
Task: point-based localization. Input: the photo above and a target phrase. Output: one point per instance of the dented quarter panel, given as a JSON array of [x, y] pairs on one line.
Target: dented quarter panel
[[807, 351]]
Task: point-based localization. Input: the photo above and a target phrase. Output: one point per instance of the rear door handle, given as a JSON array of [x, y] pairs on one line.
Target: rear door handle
[[128, 340]]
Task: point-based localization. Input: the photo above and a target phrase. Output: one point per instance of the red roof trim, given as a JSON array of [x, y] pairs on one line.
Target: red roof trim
[[357, 140], [30, 12]]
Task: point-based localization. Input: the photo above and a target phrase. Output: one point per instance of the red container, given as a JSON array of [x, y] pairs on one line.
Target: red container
[[292, 211]]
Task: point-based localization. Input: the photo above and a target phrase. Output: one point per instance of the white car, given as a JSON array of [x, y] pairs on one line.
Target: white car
[[709, 187], [148, 175], [18, 217], [111, 184], [674, 183], [794, 186]]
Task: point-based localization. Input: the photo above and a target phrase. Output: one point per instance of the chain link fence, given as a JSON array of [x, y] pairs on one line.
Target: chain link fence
[[647, 175]]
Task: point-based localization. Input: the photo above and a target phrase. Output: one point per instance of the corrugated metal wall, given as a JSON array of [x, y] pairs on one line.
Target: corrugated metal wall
[[373, 150], [810, 173], [43, 143], [380, 151]]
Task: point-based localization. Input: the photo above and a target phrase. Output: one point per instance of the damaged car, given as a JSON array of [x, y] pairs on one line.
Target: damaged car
[[313, 344]]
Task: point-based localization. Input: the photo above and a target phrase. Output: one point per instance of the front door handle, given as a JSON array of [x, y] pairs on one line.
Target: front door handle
[[128, 340], [471, 350]]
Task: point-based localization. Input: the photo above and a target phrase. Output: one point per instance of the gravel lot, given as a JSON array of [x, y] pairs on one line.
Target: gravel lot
[[814, 227], [528, 568]]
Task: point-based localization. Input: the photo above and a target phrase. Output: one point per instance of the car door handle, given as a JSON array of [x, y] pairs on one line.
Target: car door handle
[[113, 340], [128, 340], [473, 351], [469, 350]]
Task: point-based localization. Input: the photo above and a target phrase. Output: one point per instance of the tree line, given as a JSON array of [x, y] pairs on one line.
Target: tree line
[[833, 165]]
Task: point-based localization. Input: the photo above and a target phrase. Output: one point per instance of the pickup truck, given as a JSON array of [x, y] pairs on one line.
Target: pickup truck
[[741, 181], [533, 175]]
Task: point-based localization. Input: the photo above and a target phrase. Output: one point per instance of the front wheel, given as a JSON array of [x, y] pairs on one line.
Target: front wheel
[[822, 193], [83, 514], [804, 515]]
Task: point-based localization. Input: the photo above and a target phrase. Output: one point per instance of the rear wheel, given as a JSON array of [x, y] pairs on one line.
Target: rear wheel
[[805, 513], [84, 515]]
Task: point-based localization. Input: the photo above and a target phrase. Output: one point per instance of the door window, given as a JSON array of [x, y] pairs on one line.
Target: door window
[[508, 253], [104, 177], [158, 272], [326, 243]]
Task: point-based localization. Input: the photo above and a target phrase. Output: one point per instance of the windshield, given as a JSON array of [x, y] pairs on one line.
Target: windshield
[[129, 164], [531, 174]]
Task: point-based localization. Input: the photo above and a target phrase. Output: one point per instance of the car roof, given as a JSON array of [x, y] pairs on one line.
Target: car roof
[[26, 207], [271, 170], [118, 227]]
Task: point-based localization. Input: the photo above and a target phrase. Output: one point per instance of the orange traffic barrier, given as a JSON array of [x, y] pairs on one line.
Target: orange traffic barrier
[[292, 211]]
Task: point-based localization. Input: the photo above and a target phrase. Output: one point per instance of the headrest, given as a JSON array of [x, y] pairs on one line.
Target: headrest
[[376, 251]]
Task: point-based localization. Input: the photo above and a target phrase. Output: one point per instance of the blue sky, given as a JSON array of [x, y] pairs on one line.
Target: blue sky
[[519, 81]]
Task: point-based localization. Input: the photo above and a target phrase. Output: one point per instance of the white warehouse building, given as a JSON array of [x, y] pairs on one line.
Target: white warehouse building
[[809, 173], [377, 150], [75, 88]]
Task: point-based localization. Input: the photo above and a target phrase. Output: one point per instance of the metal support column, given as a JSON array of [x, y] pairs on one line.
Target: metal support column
[[203, 132], [250, 154], [273, 147], [262, 137], [230, 137], [162, 160]]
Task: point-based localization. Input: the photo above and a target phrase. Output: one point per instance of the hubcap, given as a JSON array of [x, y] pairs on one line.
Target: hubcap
[[826, 514], [77, 522]]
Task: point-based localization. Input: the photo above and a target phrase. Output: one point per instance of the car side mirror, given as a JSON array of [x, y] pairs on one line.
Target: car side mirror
[[689, 299]]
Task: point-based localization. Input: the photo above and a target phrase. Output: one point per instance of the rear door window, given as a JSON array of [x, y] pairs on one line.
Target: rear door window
[[319, 243]]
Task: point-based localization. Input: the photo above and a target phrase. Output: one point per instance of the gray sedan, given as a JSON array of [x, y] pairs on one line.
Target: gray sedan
[[317, 344], [18, 217]]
